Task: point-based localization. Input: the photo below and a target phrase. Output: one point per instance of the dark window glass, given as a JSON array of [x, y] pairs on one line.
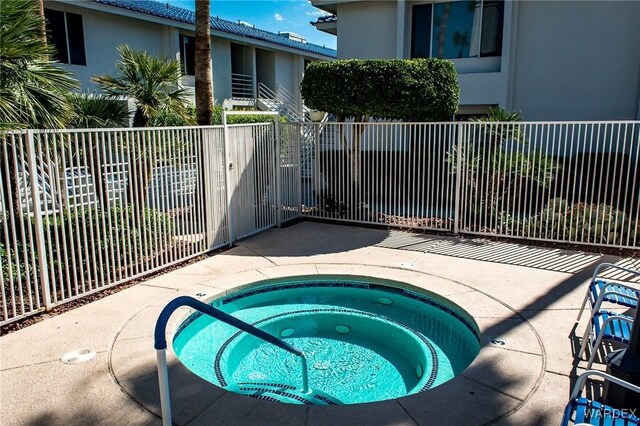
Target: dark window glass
[[57, 34], [76, 39], [456, 29], [188, 54], [492, 25], [421, 31], [467, 29]]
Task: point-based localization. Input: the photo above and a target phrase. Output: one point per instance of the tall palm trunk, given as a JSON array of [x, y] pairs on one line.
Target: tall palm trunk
[[43, 28], [204, 90], [204, 86]]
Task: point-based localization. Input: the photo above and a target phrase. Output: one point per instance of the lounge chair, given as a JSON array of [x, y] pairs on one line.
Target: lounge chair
[[611, 291], [582, 410], [605, 325]]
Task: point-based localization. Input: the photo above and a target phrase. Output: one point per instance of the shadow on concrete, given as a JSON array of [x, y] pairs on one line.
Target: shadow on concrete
[[82, 406], [195, 401], [309, 239], [511, 253]]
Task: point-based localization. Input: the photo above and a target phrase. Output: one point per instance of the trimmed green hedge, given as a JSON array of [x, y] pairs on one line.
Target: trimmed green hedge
[[414, 90], [240, 119], [167, 118]]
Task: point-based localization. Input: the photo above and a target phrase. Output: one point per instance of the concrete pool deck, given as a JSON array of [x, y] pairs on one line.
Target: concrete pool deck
[[527, 381]]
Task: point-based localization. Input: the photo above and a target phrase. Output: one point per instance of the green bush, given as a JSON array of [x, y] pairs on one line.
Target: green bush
[[125, 231], [595, 223], [88, 243], [12, 267], [500, 169], [216, 119], [166, 117], [414, 90]]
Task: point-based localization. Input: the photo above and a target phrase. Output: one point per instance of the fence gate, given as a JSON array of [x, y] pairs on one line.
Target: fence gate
[[251, 178]]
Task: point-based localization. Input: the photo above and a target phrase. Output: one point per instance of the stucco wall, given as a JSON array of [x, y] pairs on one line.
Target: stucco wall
[[266, 68], [367, 30], [103, 33], [577, 60], [221, 60], [286, 70]]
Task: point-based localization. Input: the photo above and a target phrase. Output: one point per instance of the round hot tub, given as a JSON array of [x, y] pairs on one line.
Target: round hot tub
[[364, 339]]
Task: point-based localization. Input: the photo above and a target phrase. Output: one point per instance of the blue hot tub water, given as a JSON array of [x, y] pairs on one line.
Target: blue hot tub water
[[364, 342]]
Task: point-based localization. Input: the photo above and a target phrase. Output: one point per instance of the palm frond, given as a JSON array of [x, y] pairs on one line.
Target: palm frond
[[32, 86], [153, 83], [93, 111]]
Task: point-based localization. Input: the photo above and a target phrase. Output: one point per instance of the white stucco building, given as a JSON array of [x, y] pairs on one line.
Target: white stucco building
[[551, 60], [87, 32]]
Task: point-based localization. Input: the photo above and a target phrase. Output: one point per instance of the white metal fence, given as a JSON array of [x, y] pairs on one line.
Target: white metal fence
[[83, 210], [88, 209], [573, 182]]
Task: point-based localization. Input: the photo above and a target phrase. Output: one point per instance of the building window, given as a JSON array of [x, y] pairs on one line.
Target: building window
[[67, 36], [188, 54], [460, 29]]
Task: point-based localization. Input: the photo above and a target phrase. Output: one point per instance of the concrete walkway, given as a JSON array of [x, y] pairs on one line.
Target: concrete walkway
[[525, 382]]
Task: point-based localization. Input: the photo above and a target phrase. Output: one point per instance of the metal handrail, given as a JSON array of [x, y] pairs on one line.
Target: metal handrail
[[289, 97], [160, 345], [281, 98]]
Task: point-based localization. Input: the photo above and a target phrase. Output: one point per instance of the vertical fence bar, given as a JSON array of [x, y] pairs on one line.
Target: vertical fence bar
[[228, 169], [278, 173], [459, 175], [37, 221]]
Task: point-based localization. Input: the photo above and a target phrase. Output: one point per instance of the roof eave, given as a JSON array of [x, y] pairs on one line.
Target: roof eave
[[188, 26]]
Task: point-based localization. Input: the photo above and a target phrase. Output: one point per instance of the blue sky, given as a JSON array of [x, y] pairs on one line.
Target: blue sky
[[271, 15]]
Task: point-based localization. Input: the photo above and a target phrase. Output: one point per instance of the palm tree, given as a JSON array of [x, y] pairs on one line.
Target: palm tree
[[93, 111], [32, 87], [204, 91], [43, 25], [152, 83]]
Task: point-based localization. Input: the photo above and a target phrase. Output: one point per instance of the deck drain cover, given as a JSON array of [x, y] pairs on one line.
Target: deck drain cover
[[498, 342], [76, 357]]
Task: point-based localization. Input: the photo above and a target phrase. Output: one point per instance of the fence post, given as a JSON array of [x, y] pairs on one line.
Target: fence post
[[278, 173], [205, 174], [37, 221], [456, 219], [298, 152], [228, 168]]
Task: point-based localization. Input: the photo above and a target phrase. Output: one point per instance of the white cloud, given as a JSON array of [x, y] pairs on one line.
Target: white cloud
[[278, 17]]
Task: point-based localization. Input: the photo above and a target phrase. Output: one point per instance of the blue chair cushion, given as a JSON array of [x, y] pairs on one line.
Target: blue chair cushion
[[628, 297], [617, 330], [583, 410]]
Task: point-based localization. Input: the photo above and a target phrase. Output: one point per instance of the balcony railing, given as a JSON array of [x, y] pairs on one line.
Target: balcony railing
[[242, 85]]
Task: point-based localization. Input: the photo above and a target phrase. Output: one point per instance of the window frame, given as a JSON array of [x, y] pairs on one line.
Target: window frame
[[431, 41], [68, 61], [183, 53]]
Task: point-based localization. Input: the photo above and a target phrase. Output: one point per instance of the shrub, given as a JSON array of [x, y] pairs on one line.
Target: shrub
[[216, 118], [93, 111], [500, 168], [166, 117], [414, 90], [595, 223], [88, 242]]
